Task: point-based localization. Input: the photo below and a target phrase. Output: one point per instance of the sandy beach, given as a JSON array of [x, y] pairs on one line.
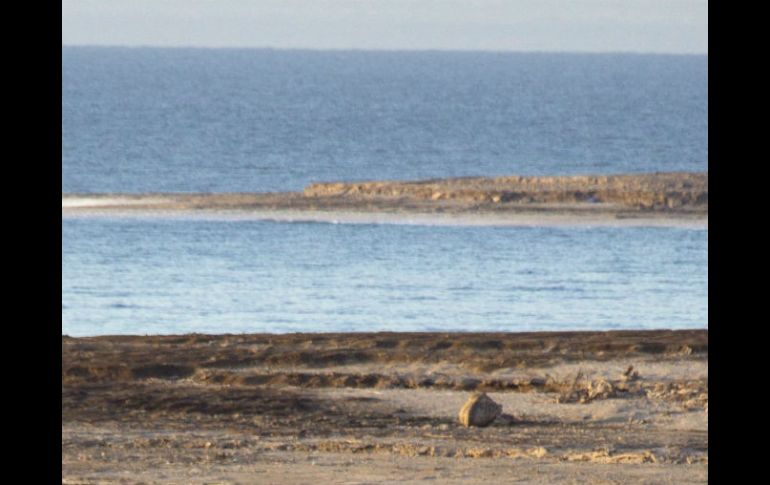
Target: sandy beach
[[578, 407], [663, 199]]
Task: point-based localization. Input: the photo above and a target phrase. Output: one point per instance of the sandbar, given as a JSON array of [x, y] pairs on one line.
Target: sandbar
[[661, 199]]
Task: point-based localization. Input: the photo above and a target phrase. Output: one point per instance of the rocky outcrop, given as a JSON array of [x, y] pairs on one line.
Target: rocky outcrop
[[658, 191], [660, 196]]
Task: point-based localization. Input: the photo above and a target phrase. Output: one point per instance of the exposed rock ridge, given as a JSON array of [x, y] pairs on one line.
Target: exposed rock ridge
[[658, 191]]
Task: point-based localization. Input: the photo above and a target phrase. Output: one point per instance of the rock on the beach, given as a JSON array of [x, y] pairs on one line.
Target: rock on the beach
[[480, 410]]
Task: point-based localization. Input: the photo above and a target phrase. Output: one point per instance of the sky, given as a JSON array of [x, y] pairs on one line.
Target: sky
[[646, 26]]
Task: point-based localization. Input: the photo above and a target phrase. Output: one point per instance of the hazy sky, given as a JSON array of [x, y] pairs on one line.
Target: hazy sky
[[666, 26]]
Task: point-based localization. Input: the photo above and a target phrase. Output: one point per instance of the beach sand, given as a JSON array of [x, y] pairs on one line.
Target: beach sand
[[382, 407]]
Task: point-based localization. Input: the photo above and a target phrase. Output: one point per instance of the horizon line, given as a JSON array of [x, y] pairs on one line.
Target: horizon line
[[378, 49]]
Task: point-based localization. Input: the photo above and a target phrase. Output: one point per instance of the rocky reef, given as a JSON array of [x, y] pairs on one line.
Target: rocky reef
[[659, 198], [658, 191]]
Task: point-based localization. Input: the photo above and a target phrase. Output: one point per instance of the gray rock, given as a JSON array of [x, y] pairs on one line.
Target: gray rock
[[480, 410]]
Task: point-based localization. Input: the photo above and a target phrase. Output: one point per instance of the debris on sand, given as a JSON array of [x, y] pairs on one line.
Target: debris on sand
[[691, 395], [584, 391], [480, 410], [630, 374]]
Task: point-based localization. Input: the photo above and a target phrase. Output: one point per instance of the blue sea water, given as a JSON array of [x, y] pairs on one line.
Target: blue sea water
[[222, 120], [251, 120], [137, 276]]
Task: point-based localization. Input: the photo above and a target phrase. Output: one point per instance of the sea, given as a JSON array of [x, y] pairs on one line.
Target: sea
[[143, 120]]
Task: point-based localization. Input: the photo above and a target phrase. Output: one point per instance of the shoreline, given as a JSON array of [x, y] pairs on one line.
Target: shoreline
[[480, 219], [603, 406], [666, 200]]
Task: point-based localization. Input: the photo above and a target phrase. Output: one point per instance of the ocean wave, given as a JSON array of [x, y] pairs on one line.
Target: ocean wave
[[107, 208], [76, 202]]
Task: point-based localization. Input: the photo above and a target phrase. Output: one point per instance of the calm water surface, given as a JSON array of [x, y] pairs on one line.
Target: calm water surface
[[174, 276], [229, 120], [221, 120]]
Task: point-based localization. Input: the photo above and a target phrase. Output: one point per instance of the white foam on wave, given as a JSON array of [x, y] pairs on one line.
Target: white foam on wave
[[339, 217], [75, 202]]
